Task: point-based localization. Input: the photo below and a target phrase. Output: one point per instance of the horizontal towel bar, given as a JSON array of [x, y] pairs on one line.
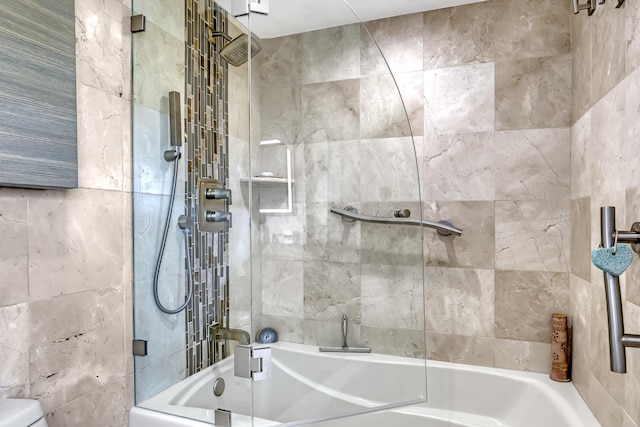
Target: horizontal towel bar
[[443, 228]]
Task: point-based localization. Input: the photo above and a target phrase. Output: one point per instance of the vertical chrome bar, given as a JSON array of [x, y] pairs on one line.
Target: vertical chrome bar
[[612, 292], [175, 119]]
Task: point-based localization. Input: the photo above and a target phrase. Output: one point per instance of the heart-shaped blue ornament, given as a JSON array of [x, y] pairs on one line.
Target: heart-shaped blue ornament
[[612, 263]]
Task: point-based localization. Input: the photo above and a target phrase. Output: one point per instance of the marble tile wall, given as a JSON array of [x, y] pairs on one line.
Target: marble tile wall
[[66, 281], [323, 94], [604, 172], [487, 89]]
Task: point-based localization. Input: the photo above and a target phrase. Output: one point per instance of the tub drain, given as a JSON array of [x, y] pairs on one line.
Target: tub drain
[[218, 387]]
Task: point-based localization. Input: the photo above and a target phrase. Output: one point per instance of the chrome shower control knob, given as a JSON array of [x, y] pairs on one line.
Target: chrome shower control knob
[[218, 193], [218, 216], [402, 213]]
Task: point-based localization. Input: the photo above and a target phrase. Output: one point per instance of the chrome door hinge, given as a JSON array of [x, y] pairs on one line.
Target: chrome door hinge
[[243, 7], [139, 347], [254, 363], [138, 23]]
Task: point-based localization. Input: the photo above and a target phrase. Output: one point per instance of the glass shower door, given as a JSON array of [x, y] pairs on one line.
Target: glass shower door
[[329, 132]]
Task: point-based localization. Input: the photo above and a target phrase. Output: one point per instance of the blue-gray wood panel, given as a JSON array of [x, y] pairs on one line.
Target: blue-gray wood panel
[[38, 133]]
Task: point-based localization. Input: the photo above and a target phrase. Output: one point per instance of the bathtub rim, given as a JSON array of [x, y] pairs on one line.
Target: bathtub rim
[[566, 396]]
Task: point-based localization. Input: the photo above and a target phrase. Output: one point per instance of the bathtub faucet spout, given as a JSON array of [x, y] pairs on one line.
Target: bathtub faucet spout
[[239, 335]]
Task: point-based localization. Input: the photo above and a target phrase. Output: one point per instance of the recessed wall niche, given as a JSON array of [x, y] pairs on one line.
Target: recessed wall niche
[[38, 136]]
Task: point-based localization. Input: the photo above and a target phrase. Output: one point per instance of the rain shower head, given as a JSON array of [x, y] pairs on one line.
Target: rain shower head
[[236, 52]]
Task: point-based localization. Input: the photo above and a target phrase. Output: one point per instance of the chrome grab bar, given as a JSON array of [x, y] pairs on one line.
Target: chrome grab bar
[[443, 227]]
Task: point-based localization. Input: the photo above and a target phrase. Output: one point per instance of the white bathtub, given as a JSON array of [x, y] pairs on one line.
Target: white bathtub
[[304, 386]]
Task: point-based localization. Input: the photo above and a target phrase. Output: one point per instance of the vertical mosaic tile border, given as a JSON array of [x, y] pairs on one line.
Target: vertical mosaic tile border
[[206, 128]]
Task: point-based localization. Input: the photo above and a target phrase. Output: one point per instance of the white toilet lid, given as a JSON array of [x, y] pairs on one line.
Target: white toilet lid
[[19, 412]]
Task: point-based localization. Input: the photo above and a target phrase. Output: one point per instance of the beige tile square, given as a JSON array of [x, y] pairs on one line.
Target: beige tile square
[[127, 146], [152, 173], [164, 333], [533, 93], [608, 144], [282, 236], [100, 139], [100, 44], [459, 301], [106, 407], [459, 100], [580, 321], [389, 171], [411, 87], [459, 35], [14, 351], [282, 288], [385, 288], [77, 345], [331, 54], [522, 355], [239, 108], [152, 83], [580, 23], [331, 290], [281, 60], [460, 349], [524, 302], [283, 118], [533, 235], [75, 242], [400, 41], [331, 111], [386, 110], [146, 244], [581, 153], [631, 86], [166, 14], [459, 167], [632, 380], [633, 272], [398, 342], [581, 238], [533, 164], [14, 267], [475, 248], [531, 29], [149, 383], [581, 72], [632, 9], [608, 43]]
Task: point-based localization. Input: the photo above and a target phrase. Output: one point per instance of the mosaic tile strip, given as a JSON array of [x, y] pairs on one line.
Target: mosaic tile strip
[[206, 118]]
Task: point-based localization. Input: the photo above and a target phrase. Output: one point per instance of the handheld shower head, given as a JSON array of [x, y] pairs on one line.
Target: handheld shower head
[[236, 52]]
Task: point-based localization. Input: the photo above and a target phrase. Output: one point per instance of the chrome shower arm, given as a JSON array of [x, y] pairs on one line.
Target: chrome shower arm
[[225, 36], [443, 227]]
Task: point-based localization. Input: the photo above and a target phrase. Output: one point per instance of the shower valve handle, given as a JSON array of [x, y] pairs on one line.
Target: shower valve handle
[[218, 216], [218, 193]]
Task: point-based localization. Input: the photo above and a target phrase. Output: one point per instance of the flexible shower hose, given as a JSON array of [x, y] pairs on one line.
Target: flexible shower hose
[[162, 247]]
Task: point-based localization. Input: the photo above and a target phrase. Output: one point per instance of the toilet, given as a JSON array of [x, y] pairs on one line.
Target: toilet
[[21, 413]]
